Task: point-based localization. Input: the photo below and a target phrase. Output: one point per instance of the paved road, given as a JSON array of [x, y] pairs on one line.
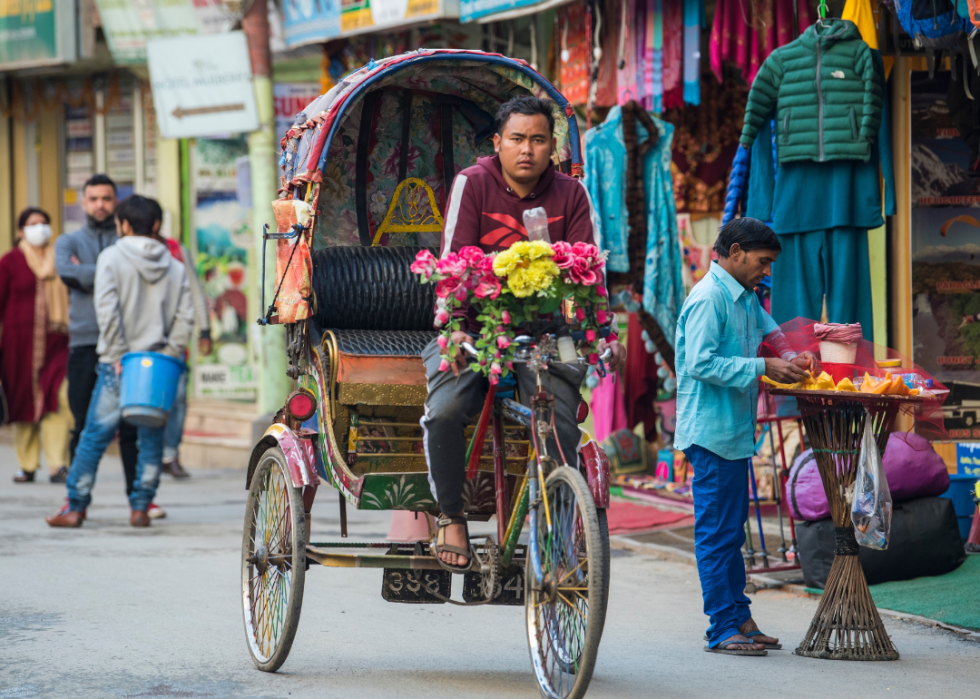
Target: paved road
[[110, 611]]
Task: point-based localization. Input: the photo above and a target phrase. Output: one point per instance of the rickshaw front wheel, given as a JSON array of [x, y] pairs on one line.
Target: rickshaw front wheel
[[566, 613], [273, 561]]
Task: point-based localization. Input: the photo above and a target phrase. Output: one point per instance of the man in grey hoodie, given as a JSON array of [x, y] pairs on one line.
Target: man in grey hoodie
[[75, 257], [142, 304]]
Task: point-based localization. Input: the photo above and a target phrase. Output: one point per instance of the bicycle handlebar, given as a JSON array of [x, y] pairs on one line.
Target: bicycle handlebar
[[471, 350]]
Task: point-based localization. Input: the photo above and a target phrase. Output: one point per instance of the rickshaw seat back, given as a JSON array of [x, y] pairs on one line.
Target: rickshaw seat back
[[375, 315]]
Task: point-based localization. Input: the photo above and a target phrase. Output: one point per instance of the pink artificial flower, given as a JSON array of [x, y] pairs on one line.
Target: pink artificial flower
[[601, 317], [442, 317], [461, 293], [590, 253], [448, 286], [590, 335], [451, 265], [489, 286], [443, 365], [580, 314], [505, 316], [472, 256], [495, 369], [497, 355], [486, 265], [442, 341], [425, 263], [510, 365], [503, 342], [593, 358], [563, 254], [601, 290], [494, 380]]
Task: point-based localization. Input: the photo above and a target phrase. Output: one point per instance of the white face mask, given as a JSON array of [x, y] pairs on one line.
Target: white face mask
[[37, 235]]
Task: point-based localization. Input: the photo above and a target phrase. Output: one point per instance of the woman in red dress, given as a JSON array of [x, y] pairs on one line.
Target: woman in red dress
[[34, 349]]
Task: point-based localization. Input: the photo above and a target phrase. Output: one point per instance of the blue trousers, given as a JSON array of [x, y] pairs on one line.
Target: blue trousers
[[832, 262], [721, 507], [101, 423], [174, 431]]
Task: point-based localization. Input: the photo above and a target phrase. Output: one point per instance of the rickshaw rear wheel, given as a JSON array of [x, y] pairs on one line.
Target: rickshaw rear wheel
[[565, 617], [273, 561]]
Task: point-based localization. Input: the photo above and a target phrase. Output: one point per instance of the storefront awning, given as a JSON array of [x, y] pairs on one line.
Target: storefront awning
[[486, 11]]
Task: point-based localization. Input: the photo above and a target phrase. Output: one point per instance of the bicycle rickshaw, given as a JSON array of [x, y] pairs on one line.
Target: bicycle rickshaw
[[367, 169]]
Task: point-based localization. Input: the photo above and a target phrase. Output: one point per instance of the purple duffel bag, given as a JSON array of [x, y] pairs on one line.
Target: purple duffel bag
[[912, 467]]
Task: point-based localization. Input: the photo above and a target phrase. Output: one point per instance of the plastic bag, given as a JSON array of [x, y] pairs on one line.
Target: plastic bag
[[871, 507]]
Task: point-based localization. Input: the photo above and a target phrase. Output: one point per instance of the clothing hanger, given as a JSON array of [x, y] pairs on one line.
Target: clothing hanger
[[822, 19]]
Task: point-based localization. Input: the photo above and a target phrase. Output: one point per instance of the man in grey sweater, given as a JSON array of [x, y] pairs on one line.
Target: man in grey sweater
[[75, 257], [143, 304]]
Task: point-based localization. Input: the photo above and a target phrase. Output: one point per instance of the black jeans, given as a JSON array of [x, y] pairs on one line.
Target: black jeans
[[82, 362]]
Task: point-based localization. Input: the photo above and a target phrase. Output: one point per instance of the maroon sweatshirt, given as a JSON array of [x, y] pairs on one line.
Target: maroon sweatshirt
[[484, 211]]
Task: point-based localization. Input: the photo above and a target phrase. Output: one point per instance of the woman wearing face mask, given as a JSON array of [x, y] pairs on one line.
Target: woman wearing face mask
[[34, 349]]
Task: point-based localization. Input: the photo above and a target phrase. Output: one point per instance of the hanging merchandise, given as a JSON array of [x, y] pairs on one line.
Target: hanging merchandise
[[655, 70], [705, 141], [745, 34], [812, 127], [861, 13], [974, 11], [606, 84], [626, 62], [673, 52], [638, 222], [574, 53], [694, 21], [932, 25]]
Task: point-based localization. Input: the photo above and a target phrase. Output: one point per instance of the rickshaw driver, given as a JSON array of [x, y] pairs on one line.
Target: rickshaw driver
[[485, 209]]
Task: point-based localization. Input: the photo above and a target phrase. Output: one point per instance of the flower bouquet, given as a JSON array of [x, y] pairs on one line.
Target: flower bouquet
[[512, 287]]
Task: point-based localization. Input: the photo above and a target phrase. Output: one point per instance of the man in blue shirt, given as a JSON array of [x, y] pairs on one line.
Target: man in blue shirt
[[718, 334]]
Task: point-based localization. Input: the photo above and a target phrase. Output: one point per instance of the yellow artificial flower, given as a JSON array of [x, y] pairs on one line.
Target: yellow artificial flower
[[505, 262], [536, 276]]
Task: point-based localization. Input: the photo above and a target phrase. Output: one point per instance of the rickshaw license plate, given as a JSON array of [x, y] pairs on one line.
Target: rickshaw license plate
[[510, 588], [416, 586]]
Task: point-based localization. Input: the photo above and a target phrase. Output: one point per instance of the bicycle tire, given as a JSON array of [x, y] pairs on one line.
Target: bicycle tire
[[565, 620], [273, 562]]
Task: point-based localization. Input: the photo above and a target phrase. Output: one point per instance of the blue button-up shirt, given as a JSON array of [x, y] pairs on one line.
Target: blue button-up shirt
[[719, 332]]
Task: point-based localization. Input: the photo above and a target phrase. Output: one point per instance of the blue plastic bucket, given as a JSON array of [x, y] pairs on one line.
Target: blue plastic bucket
[[148, 387], [961, 493]]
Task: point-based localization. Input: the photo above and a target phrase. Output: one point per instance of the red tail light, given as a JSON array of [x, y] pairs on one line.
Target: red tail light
[[301, 405]]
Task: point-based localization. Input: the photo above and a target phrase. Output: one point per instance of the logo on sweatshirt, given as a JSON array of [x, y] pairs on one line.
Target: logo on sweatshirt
[[511, 232]]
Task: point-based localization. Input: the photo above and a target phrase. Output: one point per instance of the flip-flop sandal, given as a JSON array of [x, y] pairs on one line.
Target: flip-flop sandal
[[753, 634], [723, 649], [439, 546]]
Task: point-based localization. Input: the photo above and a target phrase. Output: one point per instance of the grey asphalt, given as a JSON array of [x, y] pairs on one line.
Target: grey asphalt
[[111, 611]]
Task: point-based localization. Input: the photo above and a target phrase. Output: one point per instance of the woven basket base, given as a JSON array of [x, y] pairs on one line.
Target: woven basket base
[[847, 625]]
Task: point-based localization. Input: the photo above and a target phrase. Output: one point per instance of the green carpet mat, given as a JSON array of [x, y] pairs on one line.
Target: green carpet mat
[[953, 598]]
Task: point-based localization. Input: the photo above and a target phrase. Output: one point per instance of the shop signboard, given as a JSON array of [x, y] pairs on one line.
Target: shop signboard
[[496, 10], [222, 237], [202, 85], [130, 24], [36, 33], [945, 251], [968, 459], [291, 99], [310, 21]]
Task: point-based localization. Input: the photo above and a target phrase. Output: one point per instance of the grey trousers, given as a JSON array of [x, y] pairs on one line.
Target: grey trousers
[[453, 403]]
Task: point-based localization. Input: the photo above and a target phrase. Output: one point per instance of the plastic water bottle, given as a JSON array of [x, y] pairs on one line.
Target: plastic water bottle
[[536, 223]]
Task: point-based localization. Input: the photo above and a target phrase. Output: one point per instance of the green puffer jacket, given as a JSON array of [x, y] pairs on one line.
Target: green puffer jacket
[[826, 93]]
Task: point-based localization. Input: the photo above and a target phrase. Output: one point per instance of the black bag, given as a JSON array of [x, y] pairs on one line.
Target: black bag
[[925, 540]]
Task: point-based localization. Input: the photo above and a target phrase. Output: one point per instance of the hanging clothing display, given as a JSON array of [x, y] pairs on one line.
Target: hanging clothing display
[[608, 407], [861, 13], [574, 53], [640, 381], [705, 141], [744, 34], [812, 127], [673, 48], [606, 163], [607, 83], [693, 22]]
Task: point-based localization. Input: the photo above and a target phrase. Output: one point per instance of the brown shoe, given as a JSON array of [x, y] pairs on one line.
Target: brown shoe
[[66, 519], [139, 518], [175, 469], [24, 477], [59, 476]]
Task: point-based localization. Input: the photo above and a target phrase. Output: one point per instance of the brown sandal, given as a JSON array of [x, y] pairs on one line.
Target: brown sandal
[[440, 545]]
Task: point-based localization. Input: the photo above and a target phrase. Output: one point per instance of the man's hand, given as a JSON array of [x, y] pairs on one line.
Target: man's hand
[[781, 371], [808, 361], [462, 358], [618, 358], [118, 367], [204, 346], [74, 260]]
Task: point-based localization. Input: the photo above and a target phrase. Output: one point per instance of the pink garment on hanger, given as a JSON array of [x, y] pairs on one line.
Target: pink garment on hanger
[[673, 44], [626, 76], [745, 33], [608, 406], [607, 88]]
